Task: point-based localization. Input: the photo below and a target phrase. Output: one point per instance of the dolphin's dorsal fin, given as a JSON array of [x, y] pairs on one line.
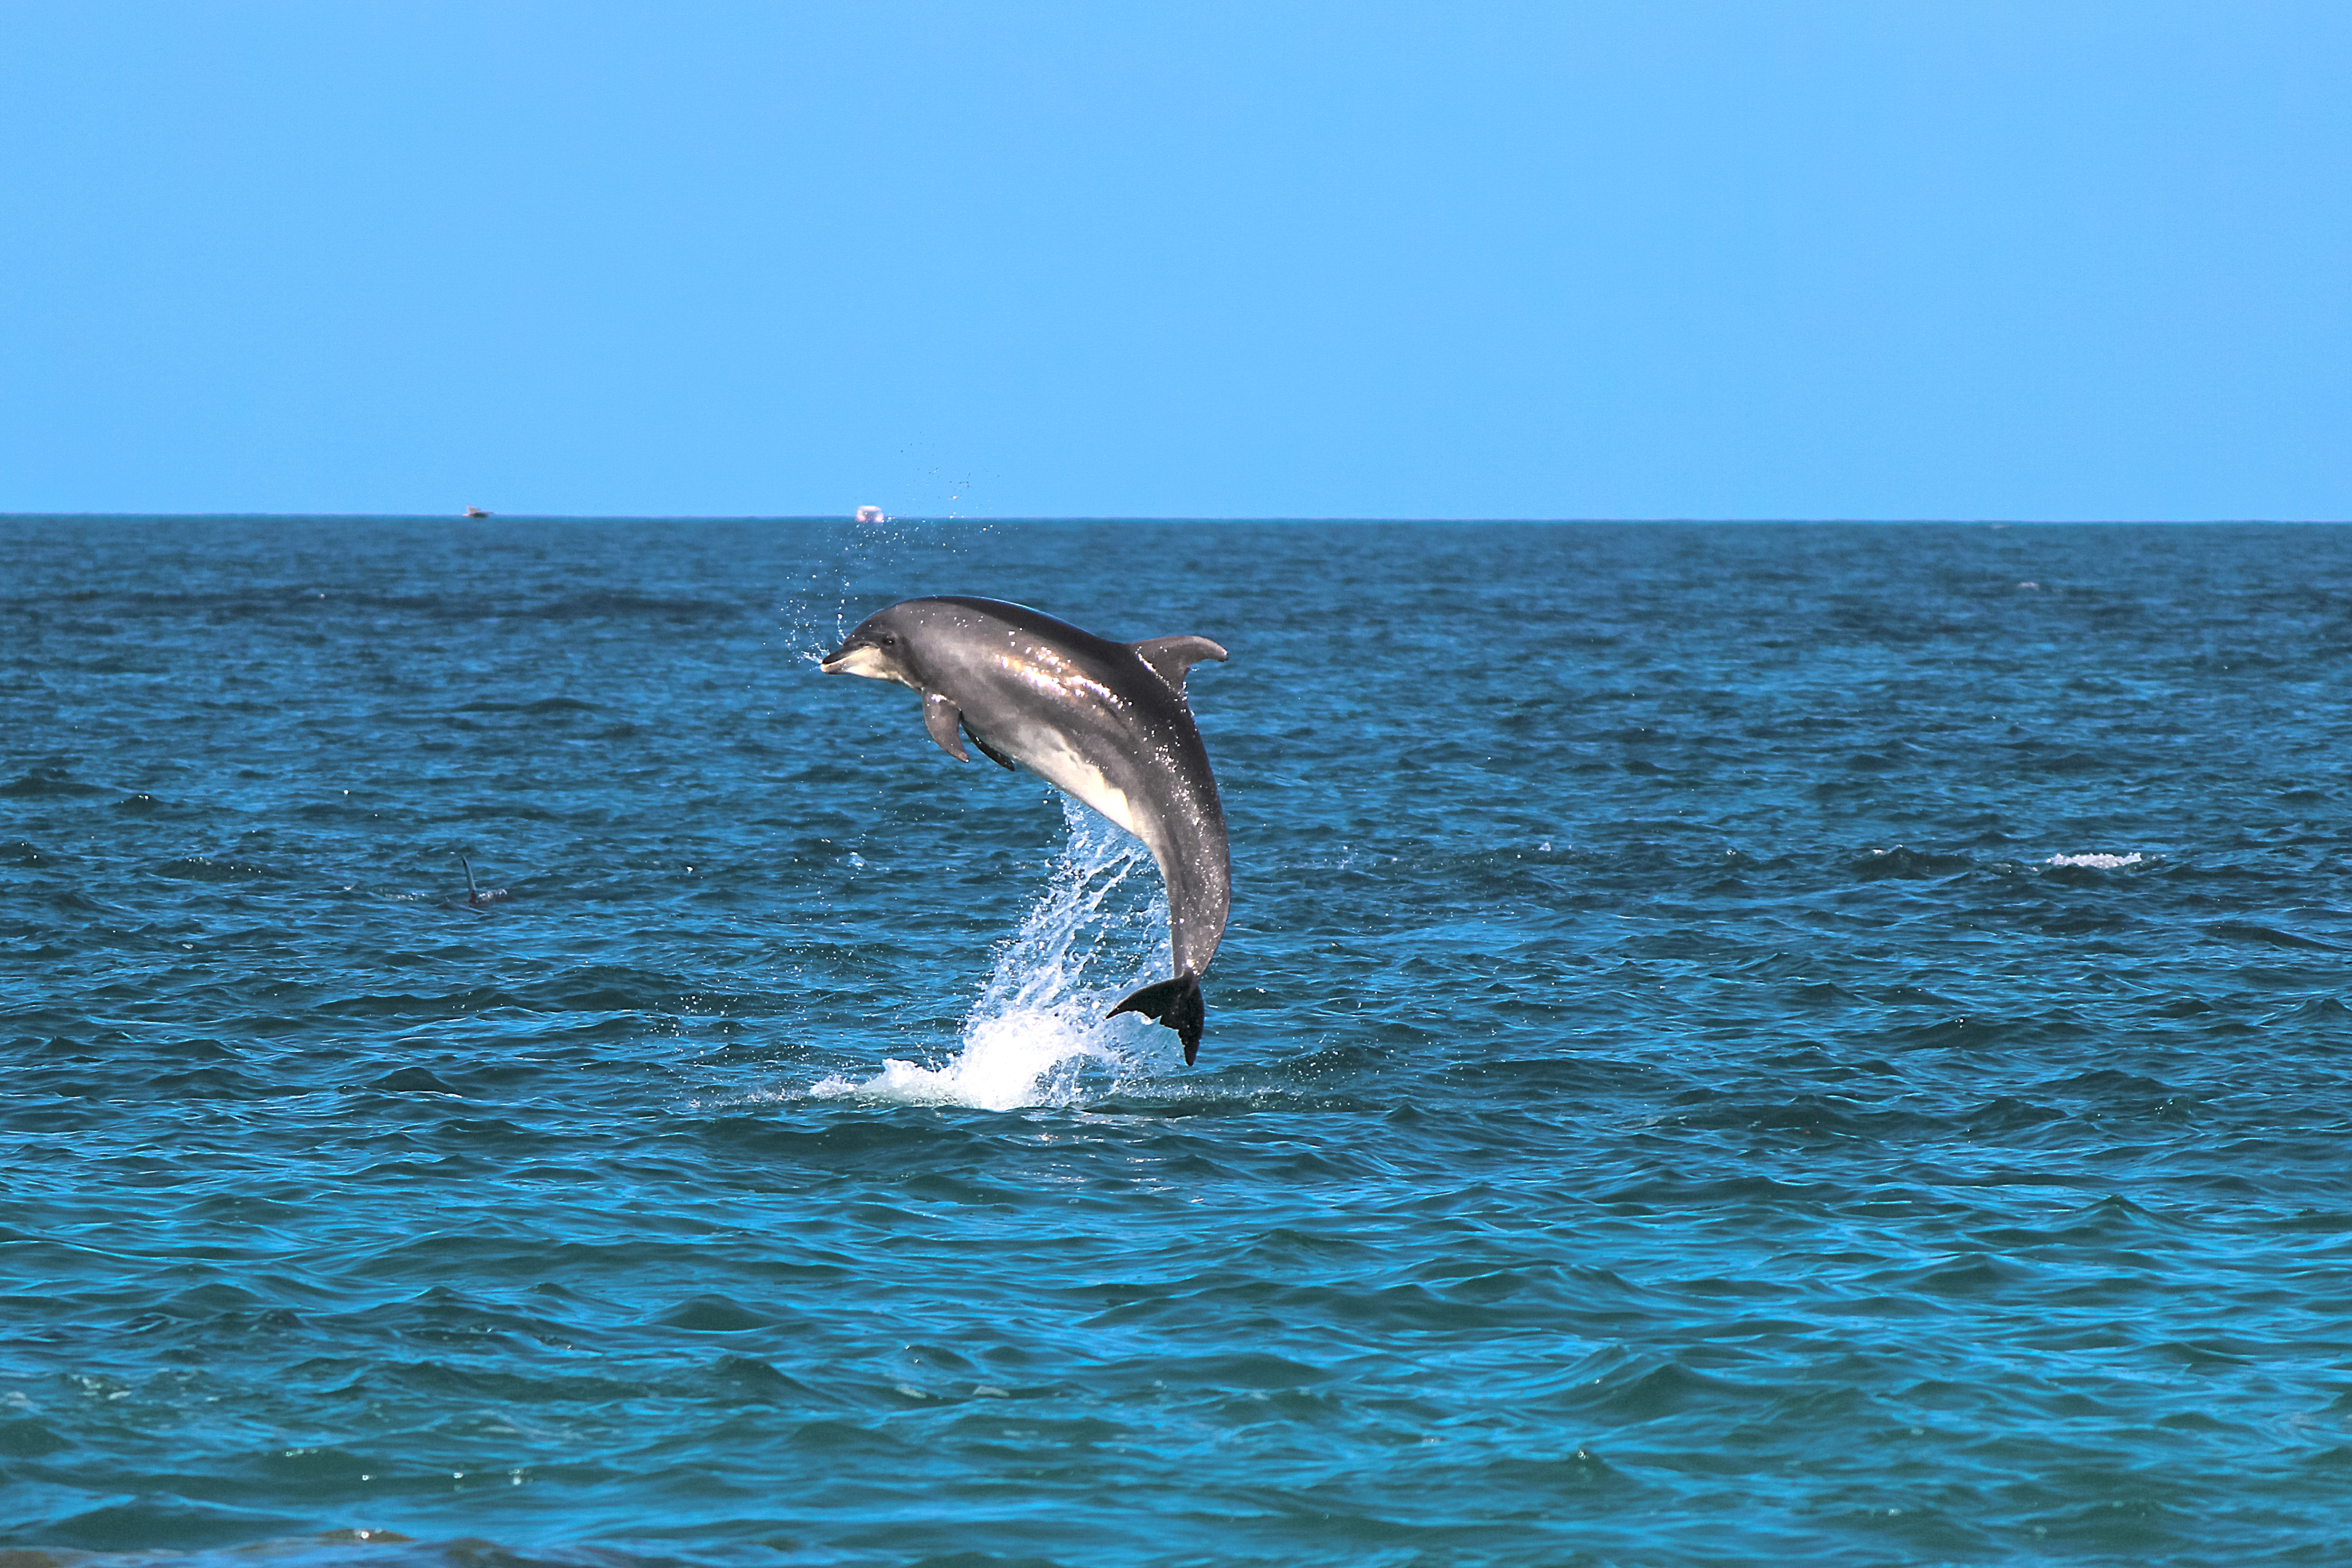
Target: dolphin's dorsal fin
[[942, 718], [1170, 657]]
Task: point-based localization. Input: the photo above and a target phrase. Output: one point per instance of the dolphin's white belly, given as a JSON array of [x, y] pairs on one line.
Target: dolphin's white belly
[[1055, 761]]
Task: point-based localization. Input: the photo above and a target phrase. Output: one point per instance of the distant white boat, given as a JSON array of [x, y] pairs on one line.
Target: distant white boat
[[475, 511], [871, 514]]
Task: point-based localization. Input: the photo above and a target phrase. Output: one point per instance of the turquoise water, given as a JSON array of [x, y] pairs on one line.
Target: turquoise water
[[1735, 1044]]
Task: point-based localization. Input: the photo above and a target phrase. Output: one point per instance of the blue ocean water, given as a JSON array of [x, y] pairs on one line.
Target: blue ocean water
[[1735, 1044]]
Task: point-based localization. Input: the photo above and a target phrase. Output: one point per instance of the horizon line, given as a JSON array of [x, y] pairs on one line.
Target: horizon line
[[495, 517]]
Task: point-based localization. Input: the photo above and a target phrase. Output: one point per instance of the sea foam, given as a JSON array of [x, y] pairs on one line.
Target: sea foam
[[1037, 1035]]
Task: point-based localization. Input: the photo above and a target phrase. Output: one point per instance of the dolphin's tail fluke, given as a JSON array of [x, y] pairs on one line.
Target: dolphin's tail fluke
[[1175, 1003]]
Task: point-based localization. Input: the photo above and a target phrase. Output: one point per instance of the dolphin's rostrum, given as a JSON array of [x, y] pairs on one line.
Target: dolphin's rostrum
[[1105, 721]]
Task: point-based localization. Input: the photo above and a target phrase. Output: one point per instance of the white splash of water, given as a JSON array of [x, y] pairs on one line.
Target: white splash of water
[[2098, 862], [1037, 1032]]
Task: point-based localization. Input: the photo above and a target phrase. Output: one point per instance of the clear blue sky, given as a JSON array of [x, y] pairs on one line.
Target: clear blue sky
[[1782, 259]]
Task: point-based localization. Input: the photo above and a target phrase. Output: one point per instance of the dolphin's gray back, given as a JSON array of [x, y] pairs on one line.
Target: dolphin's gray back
[[1094, 719]]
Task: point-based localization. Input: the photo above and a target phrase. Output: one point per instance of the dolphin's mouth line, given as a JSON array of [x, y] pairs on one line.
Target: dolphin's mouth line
[[862, 659]]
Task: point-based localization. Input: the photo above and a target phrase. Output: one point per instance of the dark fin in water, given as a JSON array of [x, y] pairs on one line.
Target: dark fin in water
[[1174, 1003], [477, 897], [942, 718], [994, 755]]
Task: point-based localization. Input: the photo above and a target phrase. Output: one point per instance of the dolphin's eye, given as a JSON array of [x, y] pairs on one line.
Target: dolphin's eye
[[889, 640]]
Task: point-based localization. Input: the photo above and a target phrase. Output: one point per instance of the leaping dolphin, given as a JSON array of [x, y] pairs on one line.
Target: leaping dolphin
[[1104, 721]]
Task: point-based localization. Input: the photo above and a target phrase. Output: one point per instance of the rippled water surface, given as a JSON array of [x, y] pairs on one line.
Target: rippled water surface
[[1735, 1044]]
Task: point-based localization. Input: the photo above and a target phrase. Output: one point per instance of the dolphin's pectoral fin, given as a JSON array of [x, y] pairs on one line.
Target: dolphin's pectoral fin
[[1176, 1004], [991, 752], [1170, 657], [942, 718]]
